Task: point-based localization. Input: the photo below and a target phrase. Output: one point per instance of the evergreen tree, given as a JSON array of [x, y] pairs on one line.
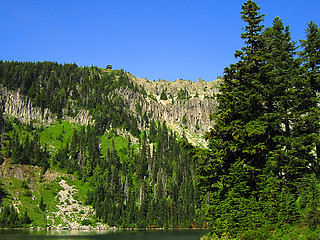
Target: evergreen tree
[[42, 206], [255, 136], [310, 56], [25, 219], [309, 200], [9, 217], [2, 125], [184, 120], [265, 130], [2, 192], [163, 95], [152, 131], [286, 150], [237, 137]]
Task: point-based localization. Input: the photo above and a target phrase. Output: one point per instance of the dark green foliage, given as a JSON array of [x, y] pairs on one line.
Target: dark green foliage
[[237, 139], [310, 56], [183, 94], [265, 136], [184, 120], [153, 97], [289, 232], [309, 201], [2, 192], [257, 180], [28, 152], [25, 219], [163, 95], [9, 217], [86, 222], [42, 205], [25, 184], [152, 131], [2, 126], [257, 234], [138, 107], [23, 148], [153, 186]]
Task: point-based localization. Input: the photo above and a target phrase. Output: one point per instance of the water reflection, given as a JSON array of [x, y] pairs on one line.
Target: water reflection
[[105, 235]]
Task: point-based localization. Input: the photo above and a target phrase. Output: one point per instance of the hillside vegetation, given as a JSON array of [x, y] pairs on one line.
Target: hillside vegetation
[[132, 170]]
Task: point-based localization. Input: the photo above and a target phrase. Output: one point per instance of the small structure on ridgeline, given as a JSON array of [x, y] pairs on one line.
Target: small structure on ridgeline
[[109, 66]]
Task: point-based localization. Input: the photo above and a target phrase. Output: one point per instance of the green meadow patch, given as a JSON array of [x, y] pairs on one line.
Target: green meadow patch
[[58, 135]]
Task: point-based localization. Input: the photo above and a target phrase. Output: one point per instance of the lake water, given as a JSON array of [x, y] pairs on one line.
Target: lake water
[[103, 235]]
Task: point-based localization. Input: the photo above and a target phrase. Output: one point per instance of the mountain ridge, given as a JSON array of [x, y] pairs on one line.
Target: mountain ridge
[[187, 106]]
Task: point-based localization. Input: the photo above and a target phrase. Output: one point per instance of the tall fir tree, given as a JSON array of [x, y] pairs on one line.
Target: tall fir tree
[[287, 152], [2, 125], [237, 137], [286, 149], [310, 56], [261, 138]]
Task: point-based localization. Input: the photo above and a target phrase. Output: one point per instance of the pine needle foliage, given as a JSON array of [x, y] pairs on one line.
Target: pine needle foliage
[[264, 138]]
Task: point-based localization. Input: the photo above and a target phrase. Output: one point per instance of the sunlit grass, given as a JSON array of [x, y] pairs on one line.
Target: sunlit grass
[[58, 135]]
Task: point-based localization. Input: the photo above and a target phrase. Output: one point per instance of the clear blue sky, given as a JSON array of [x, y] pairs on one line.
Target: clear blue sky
[[154, 39]]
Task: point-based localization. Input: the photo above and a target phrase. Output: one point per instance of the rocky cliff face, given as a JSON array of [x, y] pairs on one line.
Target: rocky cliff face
[[21, 107], [201, 88], [186, 109], [195, 110], [190, 114]]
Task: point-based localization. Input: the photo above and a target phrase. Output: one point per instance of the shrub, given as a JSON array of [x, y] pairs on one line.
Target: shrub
[[86, 222]]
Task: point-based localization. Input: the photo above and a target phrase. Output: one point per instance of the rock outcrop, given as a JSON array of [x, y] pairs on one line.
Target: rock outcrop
[[187, 107], [21, 107], [83, 117], [199, 103], [195, 110], [71, 211], [201, 88], [191, 114]]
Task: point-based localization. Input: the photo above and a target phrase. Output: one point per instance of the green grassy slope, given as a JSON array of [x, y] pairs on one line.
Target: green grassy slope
[[24, 185]]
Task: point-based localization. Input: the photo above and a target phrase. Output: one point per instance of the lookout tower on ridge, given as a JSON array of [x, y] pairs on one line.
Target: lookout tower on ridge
[[109, 66]]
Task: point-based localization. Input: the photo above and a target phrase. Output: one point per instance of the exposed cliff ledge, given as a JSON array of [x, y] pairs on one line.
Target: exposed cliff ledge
[[201, 88], [21, 107], [191, 114], [195, 110], [83, 117]]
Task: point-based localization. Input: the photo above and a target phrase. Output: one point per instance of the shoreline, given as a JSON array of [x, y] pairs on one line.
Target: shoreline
[[48, 229]]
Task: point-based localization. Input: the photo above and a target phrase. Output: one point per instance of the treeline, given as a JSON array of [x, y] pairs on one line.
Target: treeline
[[66, 88], [262, 171]]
